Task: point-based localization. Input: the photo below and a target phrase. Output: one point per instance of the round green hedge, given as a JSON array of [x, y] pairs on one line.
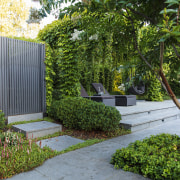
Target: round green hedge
[[84, 114]]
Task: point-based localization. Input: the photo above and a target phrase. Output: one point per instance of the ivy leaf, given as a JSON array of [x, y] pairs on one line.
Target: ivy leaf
[[178, 39], [176, 33], [122, 2], [165, 37], [172, 2], [169, 11], [171, 5], [97, 1], [129, 4], [176, 28]]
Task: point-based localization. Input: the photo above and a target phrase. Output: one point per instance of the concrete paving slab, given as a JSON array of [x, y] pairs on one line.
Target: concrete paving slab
[[60, 143], [83, 167], [32, 175], [37, 129]]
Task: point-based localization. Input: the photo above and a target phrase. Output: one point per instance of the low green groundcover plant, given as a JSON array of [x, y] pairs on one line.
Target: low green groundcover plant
[[84, 114], [157, 157], [18, 154]]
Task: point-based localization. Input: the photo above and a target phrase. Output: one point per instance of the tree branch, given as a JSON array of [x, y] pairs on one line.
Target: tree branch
[[177, 54], [141, 14], [169, 90], [136, 42], [161, 55], [178, 15], [164, 80], [143, 58], [159, 74]]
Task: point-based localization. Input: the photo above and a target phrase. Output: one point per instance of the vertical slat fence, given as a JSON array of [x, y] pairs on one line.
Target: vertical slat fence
[[22, 77]]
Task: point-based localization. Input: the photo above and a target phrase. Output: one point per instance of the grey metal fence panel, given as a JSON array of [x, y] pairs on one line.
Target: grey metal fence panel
[[4, 74], [22, 77], [42, 80]]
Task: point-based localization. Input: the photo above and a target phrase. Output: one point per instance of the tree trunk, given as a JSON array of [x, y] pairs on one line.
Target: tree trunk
[[164, 80], [168, 89]]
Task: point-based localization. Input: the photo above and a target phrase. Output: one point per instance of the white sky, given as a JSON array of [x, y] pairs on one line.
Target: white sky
[[37, 5], [46, 20], [49, 18]]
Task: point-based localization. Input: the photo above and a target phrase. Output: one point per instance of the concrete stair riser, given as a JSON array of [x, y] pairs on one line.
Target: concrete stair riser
[[37, 129], [149, 112], [140, 120], [147, 124]]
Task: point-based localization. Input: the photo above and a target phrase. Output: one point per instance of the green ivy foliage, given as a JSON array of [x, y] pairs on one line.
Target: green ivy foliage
[[84, 114], [99, 49], [122, 20], [156, 157], [49, 62], [92, 57], [58, 36], [101, 56]]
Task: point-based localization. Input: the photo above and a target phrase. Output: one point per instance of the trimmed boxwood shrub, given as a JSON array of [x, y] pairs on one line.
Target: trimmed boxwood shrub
[[84, 114], [157, 157]]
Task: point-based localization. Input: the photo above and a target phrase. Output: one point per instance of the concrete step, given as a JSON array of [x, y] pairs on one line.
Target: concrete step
[[149, 120], [148, 112], [37, 129]]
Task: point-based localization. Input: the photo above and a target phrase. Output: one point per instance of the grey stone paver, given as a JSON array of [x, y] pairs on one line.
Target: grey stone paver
[[36, 126], [60, 143]]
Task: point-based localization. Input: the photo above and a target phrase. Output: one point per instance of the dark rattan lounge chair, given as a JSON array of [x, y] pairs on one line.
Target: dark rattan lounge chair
[[137, 90], [107, 100], [120, 100]]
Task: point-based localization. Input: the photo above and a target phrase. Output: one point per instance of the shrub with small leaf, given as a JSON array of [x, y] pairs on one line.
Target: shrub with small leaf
[[154, 90], [157, 157], [84, 114]]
